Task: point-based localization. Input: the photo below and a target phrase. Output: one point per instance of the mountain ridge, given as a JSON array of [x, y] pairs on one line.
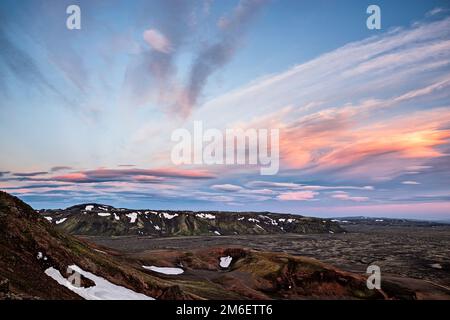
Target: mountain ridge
[[99, 219]]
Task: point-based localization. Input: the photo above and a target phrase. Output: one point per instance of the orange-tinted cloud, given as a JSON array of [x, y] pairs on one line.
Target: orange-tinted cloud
[[341, 139]]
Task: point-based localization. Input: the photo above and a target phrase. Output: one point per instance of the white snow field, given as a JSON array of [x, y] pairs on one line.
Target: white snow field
[[61, 220], [225, 261], [103, 289], [132, 216], [164, 270]]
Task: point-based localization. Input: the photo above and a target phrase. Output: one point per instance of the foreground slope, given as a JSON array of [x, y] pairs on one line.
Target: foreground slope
[[30, 246]]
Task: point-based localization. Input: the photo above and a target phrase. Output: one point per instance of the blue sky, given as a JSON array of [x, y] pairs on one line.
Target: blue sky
[[87, 115]]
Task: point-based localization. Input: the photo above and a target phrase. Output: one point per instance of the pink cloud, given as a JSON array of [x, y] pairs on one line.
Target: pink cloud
[[226, 187], [297, 196], [336, 139], [157, 41], [72, 177]]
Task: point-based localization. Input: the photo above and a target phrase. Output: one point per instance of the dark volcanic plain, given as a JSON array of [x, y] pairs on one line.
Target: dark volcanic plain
[[406, 251]]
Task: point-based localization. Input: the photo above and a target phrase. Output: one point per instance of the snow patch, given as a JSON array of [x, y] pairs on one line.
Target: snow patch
[[273, 222], [132, 216], [116, 217], [168, 215], [49, 218], [206, 216], [89, 208], [253, 220], [164, 270], [102, 290], [217, 232], [225, 261], [288, 220], [339, 221], [61, 220], [40, 256], [104, 214]]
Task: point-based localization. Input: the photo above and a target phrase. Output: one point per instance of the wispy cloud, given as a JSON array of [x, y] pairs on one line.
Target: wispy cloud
[[21, 65], [226, 187], [151, 74], [410, 182], [143, 175], [368, 124], [345, 196], [29, 174], [303, 84], [436, 11], [156, 67], [298, 186], [216, 55], [60, 168], [297, 196]]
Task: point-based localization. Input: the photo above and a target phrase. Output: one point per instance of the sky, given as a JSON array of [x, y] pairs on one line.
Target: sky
[[363, 115]]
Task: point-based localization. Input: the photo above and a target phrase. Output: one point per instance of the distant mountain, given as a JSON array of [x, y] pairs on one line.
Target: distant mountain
[[382, 221], [98, 219]]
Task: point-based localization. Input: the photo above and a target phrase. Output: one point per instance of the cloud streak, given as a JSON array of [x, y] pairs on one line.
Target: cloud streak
[[152, 76], [297, 196], [139, 175], [22, 66], [216, 55], [30, 174]]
